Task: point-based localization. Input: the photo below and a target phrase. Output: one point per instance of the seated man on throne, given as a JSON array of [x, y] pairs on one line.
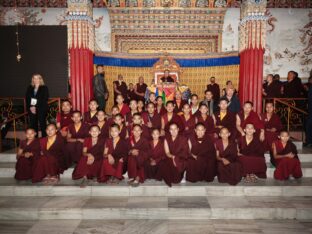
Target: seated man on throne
[[167, 78]]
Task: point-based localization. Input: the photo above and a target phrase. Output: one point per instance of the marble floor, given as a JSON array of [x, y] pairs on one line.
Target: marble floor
[[156, 227]]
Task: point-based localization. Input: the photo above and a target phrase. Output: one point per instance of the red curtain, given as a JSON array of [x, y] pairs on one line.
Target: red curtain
[[251, 77], [81, 73]]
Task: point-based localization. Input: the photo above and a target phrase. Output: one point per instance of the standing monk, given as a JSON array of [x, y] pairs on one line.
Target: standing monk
[[140, 89], [178, 102], [170, 117], [207, 121], [188, 121], [151, 118], [63, 118], [120, 87], [89, 117], [123, 107]]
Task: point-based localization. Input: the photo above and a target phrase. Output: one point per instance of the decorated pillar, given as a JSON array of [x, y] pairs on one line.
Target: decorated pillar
[[80, 30], [252, 30]]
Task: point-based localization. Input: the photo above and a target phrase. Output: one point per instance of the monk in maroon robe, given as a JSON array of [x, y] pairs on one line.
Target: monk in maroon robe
[[137, 120], [140, 89], [27, 153], [119, 120], [115, 157], [157, 154], [120, 87], [63, 119], [103, 124], [286, 158], [123, 107], [89, 117], [169, 118], [207, 121], [150, 118], [160, 109], [201, 166], [272, 125], [90, 163], [171, 169], [77, 132], [194, 105], [225, 119], [138, 155], [178, 102], [47, 167], [188, 121], [133, 105], [130, 94], [229, 169], [248, 116], [251, 155]]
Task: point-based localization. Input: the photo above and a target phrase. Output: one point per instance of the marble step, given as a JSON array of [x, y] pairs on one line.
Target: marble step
[[7, 170], [160, 208], [152, 188]]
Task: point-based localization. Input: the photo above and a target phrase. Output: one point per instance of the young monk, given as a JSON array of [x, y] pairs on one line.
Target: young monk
[[188, 121], [89, 117], [77, 132], [225, 119], [272, 125], [194, 105], [90, 163], [251, 155], [201, 166], [178, 102], [115, 157], [27, 154], [286, 158], [171, 169], [207, 121], [119, 120], [137, 120], [123, 108], [114, 112], [248, 116], [138, 155], [151, 118], [133, 109], [103, 125], [160, 109], [157, 154], [140, 106], [229, 169], [63, 119], [170, 117], [152, 98], [47, 168]]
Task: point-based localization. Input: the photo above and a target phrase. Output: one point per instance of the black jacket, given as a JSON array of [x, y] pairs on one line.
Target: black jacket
[[42, 97], [99, 86]]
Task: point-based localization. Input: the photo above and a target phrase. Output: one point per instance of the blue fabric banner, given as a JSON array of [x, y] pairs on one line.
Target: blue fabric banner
[[124, 62]]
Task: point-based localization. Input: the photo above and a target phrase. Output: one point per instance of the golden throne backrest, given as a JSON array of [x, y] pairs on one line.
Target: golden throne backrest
[[166, 63]]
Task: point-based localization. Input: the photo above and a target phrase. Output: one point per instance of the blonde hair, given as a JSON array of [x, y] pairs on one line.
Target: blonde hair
[[40, 78]]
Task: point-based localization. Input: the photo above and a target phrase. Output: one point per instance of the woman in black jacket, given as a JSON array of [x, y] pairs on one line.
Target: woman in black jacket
[[37, 96]]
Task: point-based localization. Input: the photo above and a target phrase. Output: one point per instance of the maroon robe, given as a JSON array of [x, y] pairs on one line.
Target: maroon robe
[[130, 96], [233, 172], [124, 110], [189, 125], [49, 162], [64, 119], [136, 163], [273, 90], [88, 119], [141, 88], [215, 90], [155, 120], [128, 118], [209, 125], [204, 167], [252, 157], [162, 111], [273, 122], [178, 107], [24, 166], [167, 170], [123, 132], [175, 119], [117, 169], [122, 88], [228, 121], [90, 171], [286, 167], [105, 130], [158, 154], [74, 149], [252, 118]]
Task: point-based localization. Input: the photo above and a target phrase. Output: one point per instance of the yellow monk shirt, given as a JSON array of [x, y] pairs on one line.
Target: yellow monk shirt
[[50, 142], [222, 115]]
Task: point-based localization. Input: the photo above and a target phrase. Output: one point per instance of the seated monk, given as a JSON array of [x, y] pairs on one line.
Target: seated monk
[[151, 118], [178, 103], [137, 120], [286, 158], [115, 157], [160, 109], [167, 78], [27, 154], [89, 117], [272, 125], [90, 163], [47, 167], [123, 107], [251, 155], [63, 118], [157, 154], [188, 121], [201, 166], [204, 118], [248, 116], [133, 105], [119, 120], [170, 117], [229, 169], [138, 155], [171, 169], [103, 124]]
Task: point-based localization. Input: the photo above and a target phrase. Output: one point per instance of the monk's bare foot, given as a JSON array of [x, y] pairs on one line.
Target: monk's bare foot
[[247, 179], [84, 183], [253, 178], [135, 183], [130, 181]]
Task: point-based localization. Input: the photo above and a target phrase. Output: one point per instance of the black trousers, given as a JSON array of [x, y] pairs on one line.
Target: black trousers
[[39, 117]]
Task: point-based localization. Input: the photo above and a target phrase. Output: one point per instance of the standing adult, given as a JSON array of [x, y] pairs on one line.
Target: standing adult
[[140, 89], [233, 101], [293, 88], [37, 96], [214, 88], [120, 87], [100, 90], [271, 88], [309, 120]]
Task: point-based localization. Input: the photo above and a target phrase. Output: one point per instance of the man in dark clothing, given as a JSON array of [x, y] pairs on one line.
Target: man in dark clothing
[[214, 88], [309, 120], [293, 88], [233, 101], [100, 90]]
